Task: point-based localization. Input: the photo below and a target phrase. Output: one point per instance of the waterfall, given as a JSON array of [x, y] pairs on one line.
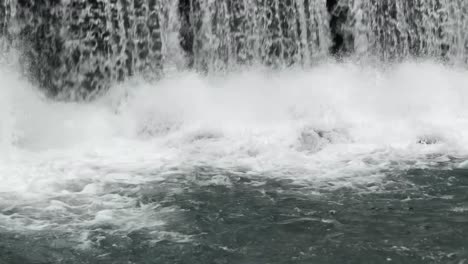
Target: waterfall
[[75, 48], [398, 29], [72, 48], [5, 16], [230, 33]]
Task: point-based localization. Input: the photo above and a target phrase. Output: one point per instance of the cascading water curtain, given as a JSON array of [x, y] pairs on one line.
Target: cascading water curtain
[[398, 29], [7, 11], [111, 40], [73, 47], [229, 33]]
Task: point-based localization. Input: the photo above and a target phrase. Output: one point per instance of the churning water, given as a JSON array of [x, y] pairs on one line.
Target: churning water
[[192, 168], [255, 147]]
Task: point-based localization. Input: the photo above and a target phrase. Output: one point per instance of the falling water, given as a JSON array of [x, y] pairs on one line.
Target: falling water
[[398, 29], [5, 16], [283, 33], [74, 47], [279, 33]]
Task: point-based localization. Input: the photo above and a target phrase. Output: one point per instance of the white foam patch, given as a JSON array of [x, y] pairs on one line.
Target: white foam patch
[[462, 209], [335, 122]]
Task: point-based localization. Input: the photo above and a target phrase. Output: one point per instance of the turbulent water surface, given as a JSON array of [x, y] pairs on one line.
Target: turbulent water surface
[[339, 163], [233, 131]]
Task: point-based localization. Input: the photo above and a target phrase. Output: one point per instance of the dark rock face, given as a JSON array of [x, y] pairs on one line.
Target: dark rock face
[[76, 48], [186, 33], [342, 41], [5, 16]]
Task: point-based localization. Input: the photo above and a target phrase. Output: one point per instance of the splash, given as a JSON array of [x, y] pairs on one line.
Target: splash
[[84, 166], [248, 118]]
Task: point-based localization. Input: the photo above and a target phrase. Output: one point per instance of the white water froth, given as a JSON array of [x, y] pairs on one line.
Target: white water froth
[[63, 165]]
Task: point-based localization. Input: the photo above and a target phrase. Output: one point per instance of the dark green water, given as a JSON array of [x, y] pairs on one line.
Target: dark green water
[[412, 216]]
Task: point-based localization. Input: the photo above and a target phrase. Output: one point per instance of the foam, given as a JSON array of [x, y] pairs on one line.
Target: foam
[[336, 122]]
